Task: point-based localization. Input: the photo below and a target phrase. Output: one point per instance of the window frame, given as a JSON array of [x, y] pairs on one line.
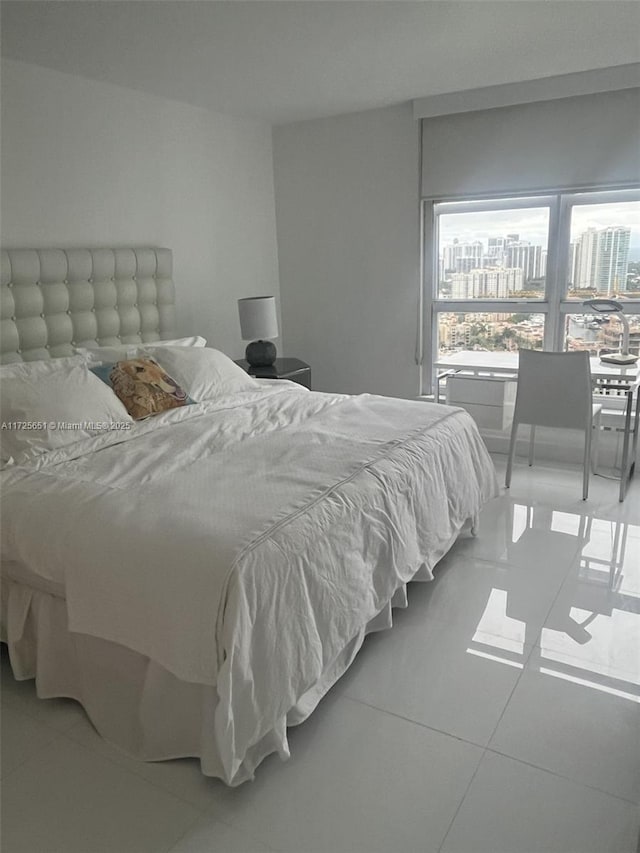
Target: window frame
[[555, 304]]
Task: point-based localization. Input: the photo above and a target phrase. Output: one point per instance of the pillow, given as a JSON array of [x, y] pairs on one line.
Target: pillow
[[205, 373], [193, 341], [143, 386], [6, 370], [121, 351], [49, 404]]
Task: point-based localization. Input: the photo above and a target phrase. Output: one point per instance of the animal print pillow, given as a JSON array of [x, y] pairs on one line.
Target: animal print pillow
[[143, 387]]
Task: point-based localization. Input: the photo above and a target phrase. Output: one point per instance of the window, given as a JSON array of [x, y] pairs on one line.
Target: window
[[506, 273], [604, 261], [484, 255]]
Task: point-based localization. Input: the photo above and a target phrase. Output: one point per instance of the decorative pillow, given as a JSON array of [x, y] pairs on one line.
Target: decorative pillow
[[121, 351], [205, 373], [143, 386], [50, 404]]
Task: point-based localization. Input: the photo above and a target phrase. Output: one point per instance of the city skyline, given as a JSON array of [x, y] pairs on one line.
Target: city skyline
[[532, 224], [505, 265]]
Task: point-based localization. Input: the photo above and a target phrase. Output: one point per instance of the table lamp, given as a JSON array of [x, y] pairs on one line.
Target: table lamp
[[610, 306], [258, 319]]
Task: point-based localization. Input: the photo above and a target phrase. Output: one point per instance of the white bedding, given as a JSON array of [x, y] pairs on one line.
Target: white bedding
[[245, 543]]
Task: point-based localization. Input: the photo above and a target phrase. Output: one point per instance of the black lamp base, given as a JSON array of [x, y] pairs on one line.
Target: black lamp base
[[261, 353]]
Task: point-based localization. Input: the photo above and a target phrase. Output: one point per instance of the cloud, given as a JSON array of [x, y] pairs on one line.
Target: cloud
[[532, 224]]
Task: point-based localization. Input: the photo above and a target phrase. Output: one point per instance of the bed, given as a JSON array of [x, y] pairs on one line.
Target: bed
[[199, 580]]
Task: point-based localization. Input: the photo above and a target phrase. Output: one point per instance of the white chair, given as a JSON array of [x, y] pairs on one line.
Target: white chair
[[554, 390]]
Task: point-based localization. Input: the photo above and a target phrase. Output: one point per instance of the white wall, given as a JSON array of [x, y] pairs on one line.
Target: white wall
[[348, 247], [91, 164]]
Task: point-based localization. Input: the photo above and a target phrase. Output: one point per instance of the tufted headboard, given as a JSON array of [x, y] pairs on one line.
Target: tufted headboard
[[54, 299]]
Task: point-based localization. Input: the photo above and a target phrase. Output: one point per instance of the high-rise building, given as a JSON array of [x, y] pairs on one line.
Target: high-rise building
[[462, 257], [522, 254], [574, 255], [612, 260], [495, 248], [603, 260], [494, 282], [587, 250], [466, 263]]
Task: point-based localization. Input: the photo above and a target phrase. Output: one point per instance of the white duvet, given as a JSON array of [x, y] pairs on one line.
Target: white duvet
[[244, 543]]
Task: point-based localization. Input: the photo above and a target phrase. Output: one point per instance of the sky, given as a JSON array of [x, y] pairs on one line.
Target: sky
[[532, 224]]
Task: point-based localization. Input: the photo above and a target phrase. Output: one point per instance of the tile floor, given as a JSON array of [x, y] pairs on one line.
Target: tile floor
[[500, 715]]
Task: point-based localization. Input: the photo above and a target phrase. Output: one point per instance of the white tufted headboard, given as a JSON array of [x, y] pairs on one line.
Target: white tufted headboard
[[54, 299]]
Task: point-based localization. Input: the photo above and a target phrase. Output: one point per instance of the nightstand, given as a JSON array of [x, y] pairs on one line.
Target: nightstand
[[284, 368]]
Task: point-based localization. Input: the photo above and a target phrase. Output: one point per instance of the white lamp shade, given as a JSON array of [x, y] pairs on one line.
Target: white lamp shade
[[258, 318]]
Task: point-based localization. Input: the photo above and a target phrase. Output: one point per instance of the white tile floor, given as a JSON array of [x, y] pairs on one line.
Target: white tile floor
[[500, 715]]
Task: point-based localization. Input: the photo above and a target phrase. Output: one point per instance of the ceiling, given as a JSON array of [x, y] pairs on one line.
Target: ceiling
[[287, 61]]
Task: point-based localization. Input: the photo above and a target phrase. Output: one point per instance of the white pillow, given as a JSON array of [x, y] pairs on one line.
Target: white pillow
[[41, 402], [193, 341], [42, 365], [7, 370], [120, 352], [204, 373]]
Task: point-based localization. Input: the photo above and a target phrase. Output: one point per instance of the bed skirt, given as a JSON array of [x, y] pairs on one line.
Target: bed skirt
[[134, 703]]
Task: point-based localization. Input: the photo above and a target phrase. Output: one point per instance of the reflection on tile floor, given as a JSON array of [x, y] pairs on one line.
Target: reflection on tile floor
[[501, 713]]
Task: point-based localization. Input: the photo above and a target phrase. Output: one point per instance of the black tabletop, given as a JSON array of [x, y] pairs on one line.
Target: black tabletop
[[281, 367]]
